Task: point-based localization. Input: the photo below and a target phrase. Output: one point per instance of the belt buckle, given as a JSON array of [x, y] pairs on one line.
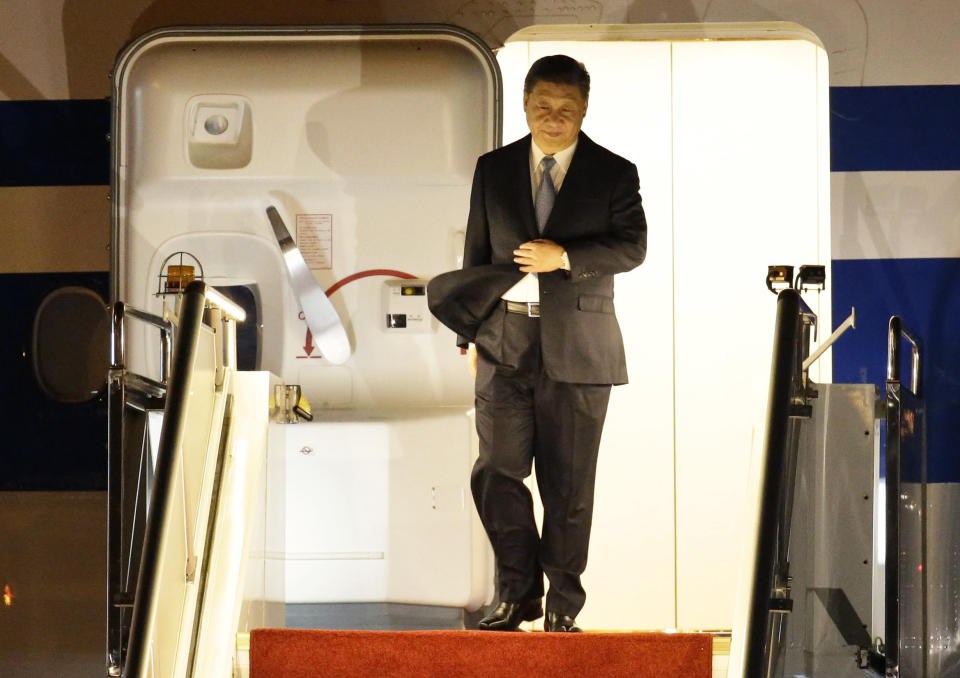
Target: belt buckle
[[533, 310]]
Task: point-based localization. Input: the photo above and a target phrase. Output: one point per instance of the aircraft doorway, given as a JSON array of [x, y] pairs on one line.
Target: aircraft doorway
[[728, 128]]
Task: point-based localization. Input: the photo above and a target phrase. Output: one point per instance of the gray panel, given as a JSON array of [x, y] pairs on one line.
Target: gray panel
[[943, 579], [832, 535], [906, 636]]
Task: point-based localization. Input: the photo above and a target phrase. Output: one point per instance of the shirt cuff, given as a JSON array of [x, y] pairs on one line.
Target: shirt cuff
[[564, 261]]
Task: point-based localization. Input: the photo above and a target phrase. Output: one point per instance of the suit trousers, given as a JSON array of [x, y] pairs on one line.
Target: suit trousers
[[524, 417]]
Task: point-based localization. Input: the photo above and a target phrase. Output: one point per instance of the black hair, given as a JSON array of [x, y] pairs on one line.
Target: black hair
[[560, 70]]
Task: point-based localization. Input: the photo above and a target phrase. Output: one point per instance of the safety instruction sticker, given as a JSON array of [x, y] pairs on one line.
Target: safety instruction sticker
[[315, 239]]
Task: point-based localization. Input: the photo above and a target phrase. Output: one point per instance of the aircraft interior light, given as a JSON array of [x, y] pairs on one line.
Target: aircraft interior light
[[226, 305], [178, 277]]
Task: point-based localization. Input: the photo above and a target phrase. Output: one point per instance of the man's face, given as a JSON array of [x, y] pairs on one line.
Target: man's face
[[554, 115]]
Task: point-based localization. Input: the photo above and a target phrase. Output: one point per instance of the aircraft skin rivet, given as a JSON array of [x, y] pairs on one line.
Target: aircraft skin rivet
[[305, 450]]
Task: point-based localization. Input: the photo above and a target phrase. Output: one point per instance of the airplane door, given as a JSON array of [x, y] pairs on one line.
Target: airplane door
[[363, 139], [363, 142]]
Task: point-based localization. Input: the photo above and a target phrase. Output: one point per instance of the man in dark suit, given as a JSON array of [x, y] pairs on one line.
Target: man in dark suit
[[567, 212]]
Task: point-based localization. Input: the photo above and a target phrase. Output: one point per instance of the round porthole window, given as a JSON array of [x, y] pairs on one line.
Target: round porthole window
[[71, 344]]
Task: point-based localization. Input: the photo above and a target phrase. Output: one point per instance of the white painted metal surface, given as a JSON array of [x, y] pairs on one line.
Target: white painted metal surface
[[379, 510], [238, 596], [182, 548], [895, 215]]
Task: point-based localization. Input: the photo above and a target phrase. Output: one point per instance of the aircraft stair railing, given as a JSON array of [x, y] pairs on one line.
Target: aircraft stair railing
[[903, 651], [130, 396], [788, 407], [169, 574], [811, 448]]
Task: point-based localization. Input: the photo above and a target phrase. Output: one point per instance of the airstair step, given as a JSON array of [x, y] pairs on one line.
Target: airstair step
[[295, 653]]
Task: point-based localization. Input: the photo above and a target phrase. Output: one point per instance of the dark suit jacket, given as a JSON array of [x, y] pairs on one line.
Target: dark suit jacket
[[597, 218]]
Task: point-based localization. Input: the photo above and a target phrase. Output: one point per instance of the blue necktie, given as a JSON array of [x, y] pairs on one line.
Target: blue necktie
[[546, 193]]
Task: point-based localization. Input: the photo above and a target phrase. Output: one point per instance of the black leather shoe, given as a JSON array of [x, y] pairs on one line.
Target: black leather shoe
[[560, 623], [507, 616]]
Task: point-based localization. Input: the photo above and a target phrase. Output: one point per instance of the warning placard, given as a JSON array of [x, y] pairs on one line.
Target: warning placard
[[315, 239]]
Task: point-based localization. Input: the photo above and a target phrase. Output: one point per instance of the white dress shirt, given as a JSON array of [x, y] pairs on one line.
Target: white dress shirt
[[528, 288]]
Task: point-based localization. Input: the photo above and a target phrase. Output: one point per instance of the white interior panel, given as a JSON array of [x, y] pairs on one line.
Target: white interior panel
[[381, 512], [730, 141], [628, 112], [822, 370], [746, 194]]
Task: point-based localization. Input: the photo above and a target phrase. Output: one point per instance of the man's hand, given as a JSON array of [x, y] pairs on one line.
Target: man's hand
[[538, 256], [472, 359]]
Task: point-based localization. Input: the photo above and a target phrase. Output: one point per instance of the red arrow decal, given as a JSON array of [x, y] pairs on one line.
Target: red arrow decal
[[308, 344]]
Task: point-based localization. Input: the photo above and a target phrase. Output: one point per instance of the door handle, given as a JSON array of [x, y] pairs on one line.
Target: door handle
[[322, 318]]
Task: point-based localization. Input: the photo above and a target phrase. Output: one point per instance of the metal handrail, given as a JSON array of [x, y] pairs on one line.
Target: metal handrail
[[131, 390], [851, 321], [895, 331], [896, 392], [786, 339], [161, 506], [769, 600], [197, 297], [769, 597], [122, 311], [126, 389]]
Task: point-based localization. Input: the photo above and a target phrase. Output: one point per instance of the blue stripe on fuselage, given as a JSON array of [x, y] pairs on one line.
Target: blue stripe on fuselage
[[54, 143], [901, 128], [906, 128]]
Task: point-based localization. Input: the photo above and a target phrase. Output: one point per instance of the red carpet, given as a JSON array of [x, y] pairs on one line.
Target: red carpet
[[289, 653]]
